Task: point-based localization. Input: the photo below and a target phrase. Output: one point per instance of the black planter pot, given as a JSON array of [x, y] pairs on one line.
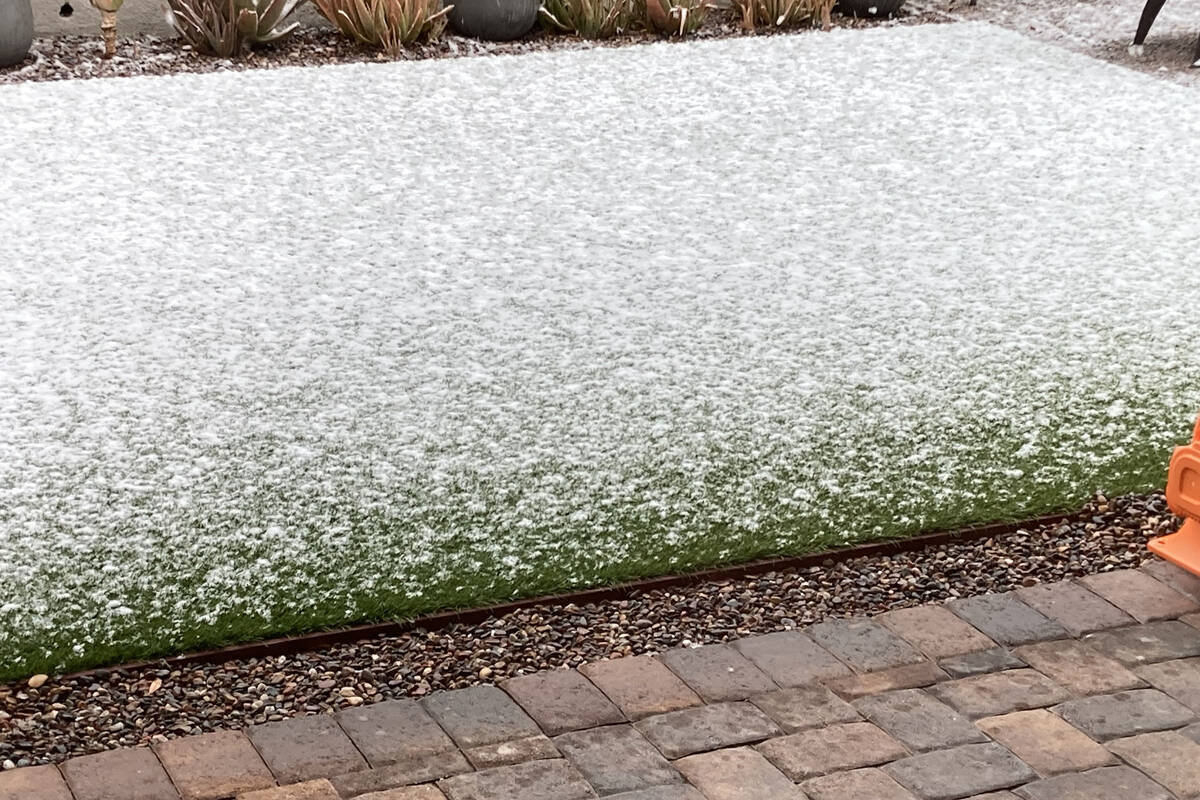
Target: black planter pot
[[868, 8], [493, 20], [16, 31]]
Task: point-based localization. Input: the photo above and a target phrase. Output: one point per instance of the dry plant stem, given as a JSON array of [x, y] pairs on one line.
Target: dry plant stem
[[108, 28]]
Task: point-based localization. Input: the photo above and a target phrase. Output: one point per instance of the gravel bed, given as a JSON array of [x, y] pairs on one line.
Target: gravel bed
[[67, 57], [74, 716]]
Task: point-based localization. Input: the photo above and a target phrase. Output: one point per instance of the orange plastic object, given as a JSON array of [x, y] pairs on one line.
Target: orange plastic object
[[1183, 496]]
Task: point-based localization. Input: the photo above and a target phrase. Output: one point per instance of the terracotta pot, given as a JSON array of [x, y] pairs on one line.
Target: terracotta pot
[[493, 20], [16, 31]]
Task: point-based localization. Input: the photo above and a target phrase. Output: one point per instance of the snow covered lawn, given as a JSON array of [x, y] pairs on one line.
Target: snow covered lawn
[[313, 346]]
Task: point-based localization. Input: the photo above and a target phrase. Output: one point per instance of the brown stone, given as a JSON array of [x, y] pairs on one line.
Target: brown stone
[[864, 644], [803, 708], [674, 792], [1109, 716], [1045, 742], [128, 774], [693, 730], [394, 731], [562, 700], [1000, 693], [859, 784], [535, 780], [480, 715], [640, 686], [423, 792], [33, 783], [816, 752], [1147, 644], [1180, 679], [918, 721], [737, 774], [531, 748], [1139, 595], [616, 758], [305, 748], [970, 769], [320, 789], [213, 765], [1079, 668], [1006, 619], [791, 659], [935, 631], [403, 773], [1074, 607], [717, 672], [1169, 758], [912, 676], [1106, 783]]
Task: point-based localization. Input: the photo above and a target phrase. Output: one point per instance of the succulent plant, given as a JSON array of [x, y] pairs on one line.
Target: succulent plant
[[591, 19], [783, 13], [675, 17], [225, 27], [386, 24]]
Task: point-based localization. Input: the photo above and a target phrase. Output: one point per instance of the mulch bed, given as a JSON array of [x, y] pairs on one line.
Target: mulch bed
[[74, 716]]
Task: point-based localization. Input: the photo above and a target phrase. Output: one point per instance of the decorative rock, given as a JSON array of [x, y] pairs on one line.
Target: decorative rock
[[494, 20], [16, 35]]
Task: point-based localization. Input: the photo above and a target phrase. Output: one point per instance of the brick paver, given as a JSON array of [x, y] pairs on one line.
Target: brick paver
[[919, 721], [535, 780], [996, 659], [1106, 783], [737, 774], [1180, 679], [616, 759], [562, 700], [132, 774], [213, 765], [1178, 579], [935, 631], [640, 686], [1079, 668], [396, 731], [1139, 595], [912, 676], [33, 783], [675, 792], [791, 658], [859, 784], [807, 707], [1046, 742], [998, 693], [404, 773], [864, 644], [514, 751], [960, 772], [812, 753], [693, 730], [1148, 644], [319, 789], [1075, 607], [1109, 716], [480, 715], [718, 672], [306, 748], [425, 792], [1007, 619], [1168, 757]]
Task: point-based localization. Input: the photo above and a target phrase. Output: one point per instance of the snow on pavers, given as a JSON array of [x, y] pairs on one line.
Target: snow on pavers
[[295, 347]]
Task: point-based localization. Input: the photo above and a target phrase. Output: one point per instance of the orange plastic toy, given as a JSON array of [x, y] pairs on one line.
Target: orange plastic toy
[[1183, 496]]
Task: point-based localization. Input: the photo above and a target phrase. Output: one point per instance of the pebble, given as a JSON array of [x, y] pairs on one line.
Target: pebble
[[114, 710]]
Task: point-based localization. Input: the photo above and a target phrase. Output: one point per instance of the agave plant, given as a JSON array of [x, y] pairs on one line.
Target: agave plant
[[224, 27], [675, 17], [783, 13], [591, 19], [387, 24]]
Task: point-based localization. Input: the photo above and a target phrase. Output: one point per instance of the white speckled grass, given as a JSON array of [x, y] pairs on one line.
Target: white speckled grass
[[310, 346]]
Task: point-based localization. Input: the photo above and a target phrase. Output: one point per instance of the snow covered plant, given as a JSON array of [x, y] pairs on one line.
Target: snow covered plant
[[591, 19], [224, 27], [386, 24], [674, 17], [783, 13]]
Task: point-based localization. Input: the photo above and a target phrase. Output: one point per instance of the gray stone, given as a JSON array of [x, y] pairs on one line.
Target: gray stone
[[562, 700], [1000, 693], [693, 730], [1108, 716], [1149, 643], [864, 644], [494, 20], [816, 752], [676, 791], [393, 731], [16, 31], [1073, 606], [305, 748], [1106, 783], [535, 780], [514, 751], [910, 676], [961, 771], [1180, 679], [616, 759], [480, 715], [403, 773], [1178, 579], [870, 783], [1007, 619], [1139, 595], [791, 659], [918, 720], [808, 707], [737, 774], [994, 660], [718, 672]]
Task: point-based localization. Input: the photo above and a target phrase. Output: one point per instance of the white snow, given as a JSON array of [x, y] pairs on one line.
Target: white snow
[[309, 345]]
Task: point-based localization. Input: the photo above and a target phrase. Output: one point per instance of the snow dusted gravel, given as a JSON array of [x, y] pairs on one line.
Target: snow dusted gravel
[[302, 347]]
